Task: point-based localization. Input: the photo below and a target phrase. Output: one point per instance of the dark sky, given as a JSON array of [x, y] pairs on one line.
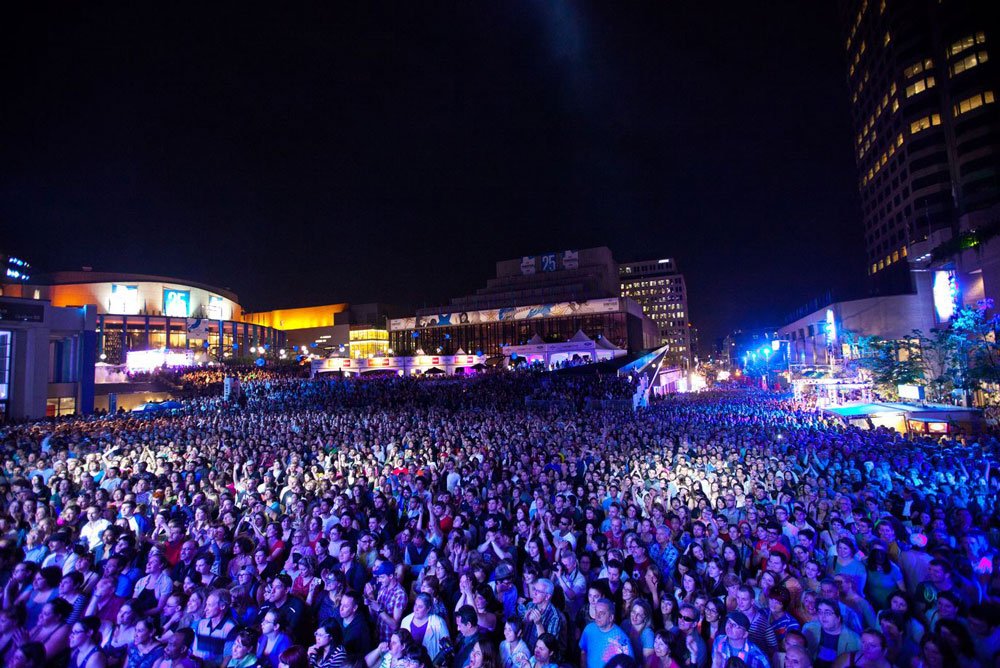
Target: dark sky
[[357, 153]]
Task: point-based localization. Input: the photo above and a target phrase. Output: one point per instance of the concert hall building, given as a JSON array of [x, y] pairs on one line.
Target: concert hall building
[[552, 295]]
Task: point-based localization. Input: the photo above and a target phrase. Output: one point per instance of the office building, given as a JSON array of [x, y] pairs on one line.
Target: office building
[[659, 289], [923, 84]]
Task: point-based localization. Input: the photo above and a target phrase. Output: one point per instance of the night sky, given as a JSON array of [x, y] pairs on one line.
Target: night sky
[[355, 153]]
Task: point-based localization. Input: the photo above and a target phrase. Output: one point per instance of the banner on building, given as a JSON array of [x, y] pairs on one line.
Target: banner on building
[[554, 310], [571, 260]]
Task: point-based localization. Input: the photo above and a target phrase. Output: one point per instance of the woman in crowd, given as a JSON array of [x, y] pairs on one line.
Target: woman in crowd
[[52, 631], [118, 637], [84, 650], [145, 647], [273, 638], [328, 650], [44, 588], [425, 627], [244, 651]]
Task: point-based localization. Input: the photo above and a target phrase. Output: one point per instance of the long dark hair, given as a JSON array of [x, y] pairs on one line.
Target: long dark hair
[[336, 633], [876, 563]]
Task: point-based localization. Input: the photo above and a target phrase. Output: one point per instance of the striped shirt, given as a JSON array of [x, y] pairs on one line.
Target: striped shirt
[[212, 643]]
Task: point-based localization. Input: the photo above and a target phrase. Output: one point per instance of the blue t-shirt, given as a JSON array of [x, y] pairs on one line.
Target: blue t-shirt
[[602, 646]]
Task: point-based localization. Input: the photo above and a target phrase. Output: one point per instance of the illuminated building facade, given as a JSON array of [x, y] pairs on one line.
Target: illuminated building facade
[[552, 295], [367, 342], [659, 289], [923, 84], [138, 312], [47, 352], [330, 329]]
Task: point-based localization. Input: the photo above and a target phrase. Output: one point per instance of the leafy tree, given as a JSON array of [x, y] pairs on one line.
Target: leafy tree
[[938, 351], [976, 354], [887, 362]]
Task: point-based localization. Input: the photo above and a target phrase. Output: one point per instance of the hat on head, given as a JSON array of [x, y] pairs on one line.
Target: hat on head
[[740, 620]]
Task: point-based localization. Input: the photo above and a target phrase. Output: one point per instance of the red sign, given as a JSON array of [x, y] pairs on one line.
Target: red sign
[[385, 361], [347, 362], [435, 360]]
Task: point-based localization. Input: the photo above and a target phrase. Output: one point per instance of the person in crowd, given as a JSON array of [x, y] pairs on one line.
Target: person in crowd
[[424, 626], [84, 635], [12, 632], [244, 651], [213, 634], [328, 650], [273, 638], [467, 622], [639, 628], [146, 647], [513, 649], [29, 655], [176, 651], [540, 616], [52, 631], [828, 637], [119, 636], [295, 656], [602, 639]]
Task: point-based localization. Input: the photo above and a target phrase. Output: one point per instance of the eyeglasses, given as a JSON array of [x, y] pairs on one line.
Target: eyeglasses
[[691, 620]]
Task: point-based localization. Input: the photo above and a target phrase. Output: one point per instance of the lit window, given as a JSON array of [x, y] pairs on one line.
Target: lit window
[[969, 62], [966, 43], [924, 123], [974, 102], [919, 86]]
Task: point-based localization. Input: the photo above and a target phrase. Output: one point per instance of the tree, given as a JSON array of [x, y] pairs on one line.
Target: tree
[[976, 354], [888, 362], [938, 351]]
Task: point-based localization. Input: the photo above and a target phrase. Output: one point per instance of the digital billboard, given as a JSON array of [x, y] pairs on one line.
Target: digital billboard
[[945, 291], [124, 299], [176, 303], [215, 307]]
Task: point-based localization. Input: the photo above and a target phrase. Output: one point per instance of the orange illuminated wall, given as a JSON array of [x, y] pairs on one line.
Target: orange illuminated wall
[[75, 295], [296, 318]]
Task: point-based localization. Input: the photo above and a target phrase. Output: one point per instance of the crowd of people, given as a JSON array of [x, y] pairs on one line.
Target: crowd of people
[[390, 522]]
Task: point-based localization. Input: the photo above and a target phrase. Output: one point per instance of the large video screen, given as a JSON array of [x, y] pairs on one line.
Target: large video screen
[[215, 307], [176, 303], [124, 299]]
